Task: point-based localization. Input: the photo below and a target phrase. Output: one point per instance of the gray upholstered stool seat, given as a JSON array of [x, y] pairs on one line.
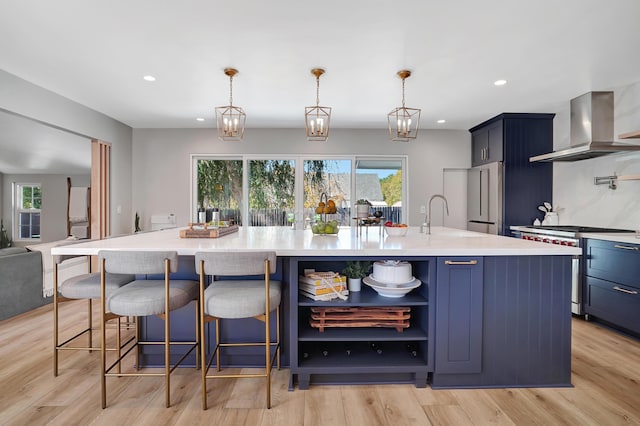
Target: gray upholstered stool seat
[[146, 297], [252, 295], [84, 286], [240, 299], [87, 286]]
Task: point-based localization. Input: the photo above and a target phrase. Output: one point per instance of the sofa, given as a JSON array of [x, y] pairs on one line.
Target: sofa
[[20, 281]]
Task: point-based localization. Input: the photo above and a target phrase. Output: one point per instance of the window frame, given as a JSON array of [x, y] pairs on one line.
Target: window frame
[[17, 209], [299, 160]]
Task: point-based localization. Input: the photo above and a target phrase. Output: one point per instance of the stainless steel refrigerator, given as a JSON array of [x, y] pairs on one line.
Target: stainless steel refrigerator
[[484, 198]]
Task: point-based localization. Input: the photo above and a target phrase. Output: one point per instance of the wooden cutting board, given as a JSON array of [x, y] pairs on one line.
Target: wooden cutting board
[[391, 317], [208, 232]]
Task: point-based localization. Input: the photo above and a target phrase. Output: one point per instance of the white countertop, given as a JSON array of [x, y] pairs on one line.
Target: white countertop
[[288, 242]]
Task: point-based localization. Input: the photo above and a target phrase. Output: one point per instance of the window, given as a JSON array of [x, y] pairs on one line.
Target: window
[[28, 203], [332, 177], [380, 181], [271, 191], [219, 185]]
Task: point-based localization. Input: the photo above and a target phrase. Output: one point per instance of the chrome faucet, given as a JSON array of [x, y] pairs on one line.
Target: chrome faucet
[[427, 218]]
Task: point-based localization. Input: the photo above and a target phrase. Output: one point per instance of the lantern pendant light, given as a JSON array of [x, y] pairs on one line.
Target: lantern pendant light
[[317, 117], [403, 121], [230, 119]]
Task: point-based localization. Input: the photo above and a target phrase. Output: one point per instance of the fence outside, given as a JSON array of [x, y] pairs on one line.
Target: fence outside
[[280, 217]]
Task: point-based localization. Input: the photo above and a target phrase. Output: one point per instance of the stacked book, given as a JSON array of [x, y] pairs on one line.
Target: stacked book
[[323, 286]]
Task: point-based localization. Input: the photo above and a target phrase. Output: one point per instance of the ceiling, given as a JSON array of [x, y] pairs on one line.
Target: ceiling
[[96, 53]]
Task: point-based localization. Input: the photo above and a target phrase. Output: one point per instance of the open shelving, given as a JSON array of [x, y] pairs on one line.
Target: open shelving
[[361, 354]]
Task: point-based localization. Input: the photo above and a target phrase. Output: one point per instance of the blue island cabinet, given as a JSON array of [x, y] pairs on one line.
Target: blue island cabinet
[[504, 321], [459, 315], [492, 321]]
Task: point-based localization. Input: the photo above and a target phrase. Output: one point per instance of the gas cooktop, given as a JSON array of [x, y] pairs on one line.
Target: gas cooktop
[[570, 228]]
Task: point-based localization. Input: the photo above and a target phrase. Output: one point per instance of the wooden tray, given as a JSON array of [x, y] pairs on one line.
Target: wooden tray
[[207, 232], [379, 316]]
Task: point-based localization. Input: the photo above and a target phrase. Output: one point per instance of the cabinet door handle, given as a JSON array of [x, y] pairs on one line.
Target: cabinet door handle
[[481, 195], [459, 262], [624, 290], [626, 247]]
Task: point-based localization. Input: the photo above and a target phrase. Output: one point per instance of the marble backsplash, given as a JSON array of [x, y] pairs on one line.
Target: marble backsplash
[[584, 203]]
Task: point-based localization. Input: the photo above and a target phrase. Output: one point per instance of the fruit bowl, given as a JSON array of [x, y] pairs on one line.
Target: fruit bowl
[[320, 227], [326, 220], [396, 231]]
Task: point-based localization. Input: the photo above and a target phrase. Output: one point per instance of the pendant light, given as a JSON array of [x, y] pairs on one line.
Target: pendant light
[[403, 121], [317, 117], [230, 119]]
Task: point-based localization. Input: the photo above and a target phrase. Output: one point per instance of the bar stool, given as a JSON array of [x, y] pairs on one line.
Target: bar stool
[[145, 297], [239, 298], [83, 286]]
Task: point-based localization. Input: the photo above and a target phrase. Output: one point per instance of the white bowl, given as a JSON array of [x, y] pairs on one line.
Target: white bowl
[[387, 290], [396, 231]]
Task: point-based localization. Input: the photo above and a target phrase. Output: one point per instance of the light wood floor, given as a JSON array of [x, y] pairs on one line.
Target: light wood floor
[[606, 375]]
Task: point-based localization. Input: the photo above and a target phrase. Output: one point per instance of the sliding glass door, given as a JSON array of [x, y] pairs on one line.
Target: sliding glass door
[[271, 192], [279, 191]]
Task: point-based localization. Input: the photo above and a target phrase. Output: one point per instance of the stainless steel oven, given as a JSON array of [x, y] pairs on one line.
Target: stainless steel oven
[[565, 235]]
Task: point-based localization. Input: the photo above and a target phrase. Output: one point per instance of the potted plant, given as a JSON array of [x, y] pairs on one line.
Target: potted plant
[[136, 223], [362, 208], [355, 272]]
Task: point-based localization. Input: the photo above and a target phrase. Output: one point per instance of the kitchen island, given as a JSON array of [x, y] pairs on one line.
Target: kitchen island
[[491, 311]]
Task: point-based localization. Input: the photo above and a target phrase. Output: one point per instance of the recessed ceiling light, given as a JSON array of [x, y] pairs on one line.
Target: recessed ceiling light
[[441, 121], [500, 82], [149, 78], [199, 119]]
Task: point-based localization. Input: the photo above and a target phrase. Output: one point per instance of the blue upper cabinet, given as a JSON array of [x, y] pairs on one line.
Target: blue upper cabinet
[[512, 138], [486, 143]]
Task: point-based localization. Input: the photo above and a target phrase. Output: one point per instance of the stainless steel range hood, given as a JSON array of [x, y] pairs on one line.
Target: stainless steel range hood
[[591, 130]]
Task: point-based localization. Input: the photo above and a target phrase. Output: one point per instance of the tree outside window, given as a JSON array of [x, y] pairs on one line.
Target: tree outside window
[[220, 186], [271, 192]]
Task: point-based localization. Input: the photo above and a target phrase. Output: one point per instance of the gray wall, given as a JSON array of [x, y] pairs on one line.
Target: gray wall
[[162, 168], [29, 100], [53, 224]]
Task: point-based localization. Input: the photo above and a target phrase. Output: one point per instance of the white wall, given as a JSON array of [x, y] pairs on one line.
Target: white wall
[[161, 161], [573, 189], [29, 100]]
